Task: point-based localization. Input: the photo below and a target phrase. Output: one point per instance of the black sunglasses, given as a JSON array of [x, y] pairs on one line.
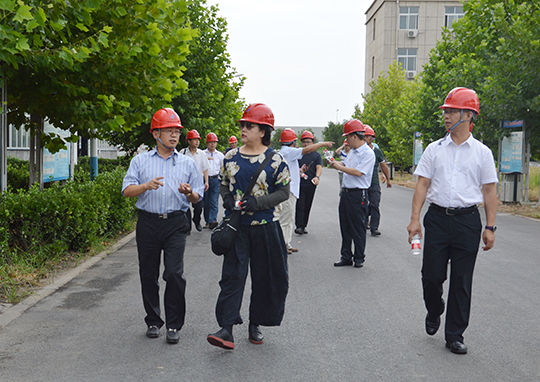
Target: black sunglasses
[[248, 125]]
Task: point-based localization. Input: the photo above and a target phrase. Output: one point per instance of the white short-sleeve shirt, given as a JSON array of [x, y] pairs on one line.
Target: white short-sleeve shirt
[[199, 157], [292, 155], [457, 173], [362, 159]]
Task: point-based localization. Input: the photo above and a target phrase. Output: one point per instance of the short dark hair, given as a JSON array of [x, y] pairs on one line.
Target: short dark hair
[[267, 139]]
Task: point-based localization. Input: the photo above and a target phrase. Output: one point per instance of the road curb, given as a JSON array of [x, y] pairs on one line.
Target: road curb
[[16, 310]]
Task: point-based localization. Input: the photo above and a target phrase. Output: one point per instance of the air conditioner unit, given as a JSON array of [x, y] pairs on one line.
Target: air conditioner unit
[[412, 33], [410, 74]]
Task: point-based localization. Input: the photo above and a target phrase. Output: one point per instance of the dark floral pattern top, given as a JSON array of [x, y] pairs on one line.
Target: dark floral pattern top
[[236, 173]]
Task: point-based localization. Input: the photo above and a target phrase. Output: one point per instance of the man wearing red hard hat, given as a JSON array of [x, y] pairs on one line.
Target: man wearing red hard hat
[[211, 197], [357, 172], [164, 184], [193, 151], [292, 155], [455, 175], [311, 164]]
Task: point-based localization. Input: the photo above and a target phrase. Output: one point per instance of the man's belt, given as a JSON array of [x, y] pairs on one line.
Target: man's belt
[[453, 211], [213, 177], [353, 189], [168, 215]]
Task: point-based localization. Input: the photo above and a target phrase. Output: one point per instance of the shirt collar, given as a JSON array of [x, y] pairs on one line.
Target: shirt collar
[[449, 140]]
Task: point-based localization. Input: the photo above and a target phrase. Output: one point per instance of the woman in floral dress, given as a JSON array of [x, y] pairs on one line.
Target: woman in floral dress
[[259, 244]]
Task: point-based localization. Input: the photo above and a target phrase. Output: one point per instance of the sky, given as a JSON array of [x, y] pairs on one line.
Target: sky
[[304, 59]]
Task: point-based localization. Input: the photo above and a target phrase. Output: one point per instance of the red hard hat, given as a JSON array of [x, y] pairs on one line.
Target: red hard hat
[[233, 139], [258, 113], [164, 118], [369, 131], [211, 137], [193, 134], [288, 135], [353, 126], [462, 98], [307, 135]]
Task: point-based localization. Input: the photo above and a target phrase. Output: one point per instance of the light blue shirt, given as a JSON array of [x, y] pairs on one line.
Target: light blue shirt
[[363, 160], [175, 169]]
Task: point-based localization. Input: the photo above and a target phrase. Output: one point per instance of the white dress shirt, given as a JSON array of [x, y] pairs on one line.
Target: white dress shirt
[[363, 160], [199, 157], [215, 159], [292, 155], [457, 173]]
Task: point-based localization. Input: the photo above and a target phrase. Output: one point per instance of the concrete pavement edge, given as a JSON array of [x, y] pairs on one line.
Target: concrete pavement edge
[[16, 310]]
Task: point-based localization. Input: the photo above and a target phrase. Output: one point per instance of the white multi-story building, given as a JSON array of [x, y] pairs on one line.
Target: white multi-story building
[[406, 31]]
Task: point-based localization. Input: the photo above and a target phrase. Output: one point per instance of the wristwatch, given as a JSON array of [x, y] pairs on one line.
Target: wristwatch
[[492, 228]]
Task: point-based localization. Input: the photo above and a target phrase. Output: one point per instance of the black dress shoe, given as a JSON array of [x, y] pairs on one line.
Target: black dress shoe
[[432, 326], [173, 336], [343, 263], [457, 347], [222, 339], [198, 227], [375, 232], [299, 231], [358, 265], [213, 225], [152, 332], [255, 334]]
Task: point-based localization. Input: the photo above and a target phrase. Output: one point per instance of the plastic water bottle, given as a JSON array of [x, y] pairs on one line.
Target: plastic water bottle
[[416, 247], [328, 156]]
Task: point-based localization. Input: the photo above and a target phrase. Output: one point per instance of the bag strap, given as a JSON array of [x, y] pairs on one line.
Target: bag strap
[[267, 160]]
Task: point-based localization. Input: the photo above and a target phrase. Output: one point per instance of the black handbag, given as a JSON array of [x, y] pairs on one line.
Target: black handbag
[[224, 235]]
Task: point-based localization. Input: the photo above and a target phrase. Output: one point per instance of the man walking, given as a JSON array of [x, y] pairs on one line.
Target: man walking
[[308, 183], [455, 174], [292, 155], [357, 172], [194, 140], [164, 184], [374, 191], [211, 197]]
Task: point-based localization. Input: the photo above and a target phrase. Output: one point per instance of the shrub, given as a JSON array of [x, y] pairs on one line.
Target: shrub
[[58, 219]]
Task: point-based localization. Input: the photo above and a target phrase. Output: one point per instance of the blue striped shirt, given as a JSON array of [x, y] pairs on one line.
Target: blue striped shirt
[[175, 169]]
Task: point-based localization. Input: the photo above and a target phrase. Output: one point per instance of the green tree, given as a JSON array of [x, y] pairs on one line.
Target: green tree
[[92, 67], [333, 132], [495, 50], [211, 102], [391, 109]]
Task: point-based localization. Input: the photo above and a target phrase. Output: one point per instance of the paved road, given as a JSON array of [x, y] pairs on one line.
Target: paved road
[[341, 324]]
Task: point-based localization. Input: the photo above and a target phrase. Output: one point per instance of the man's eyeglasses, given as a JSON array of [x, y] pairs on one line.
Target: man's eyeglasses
[[171, 131], [248, 125], [450, 111]]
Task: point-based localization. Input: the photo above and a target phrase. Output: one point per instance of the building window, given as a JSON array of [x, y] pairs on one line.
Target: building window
[[408, 17], [452, 14], [18, 138], [374, 20], [373, 67], [407, 58]]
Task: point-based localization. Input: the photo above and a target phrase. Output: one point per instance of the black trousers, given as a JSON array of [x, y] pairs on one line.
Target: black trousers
[[197, 211], [303, 205], [374, 200], [262, 248], [153, 236], [353, 209], [454, 238]]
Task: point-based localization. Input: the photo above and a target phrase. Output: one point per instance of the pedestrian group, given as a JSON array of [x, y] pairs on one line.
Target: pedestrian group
[[455, 175]]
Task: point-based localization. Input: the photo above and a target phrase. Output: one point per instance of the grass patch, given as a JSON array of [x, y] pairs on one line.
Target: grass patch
[[27, 272]]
